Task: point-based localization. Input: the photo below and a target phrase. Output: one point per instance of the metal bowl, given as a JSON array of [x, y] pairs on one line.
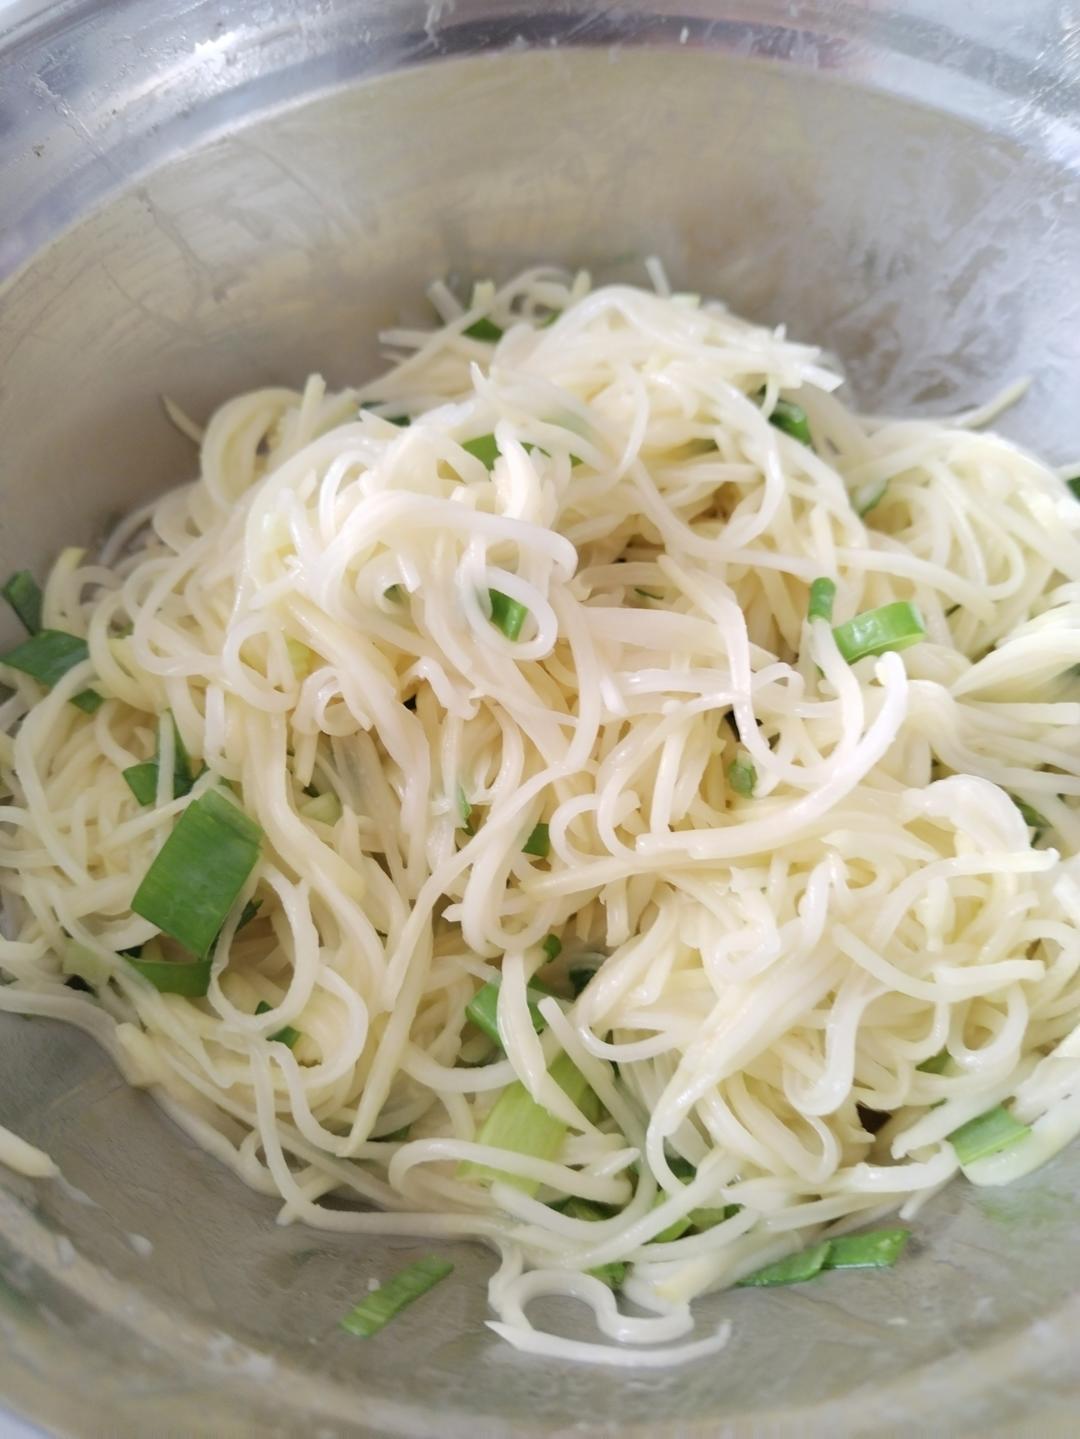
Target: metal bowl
[[204, 196]]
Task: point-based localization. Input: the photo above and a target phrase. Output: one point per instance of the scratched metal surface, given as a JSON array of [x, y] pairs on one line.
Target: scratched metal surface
[[198, 197]]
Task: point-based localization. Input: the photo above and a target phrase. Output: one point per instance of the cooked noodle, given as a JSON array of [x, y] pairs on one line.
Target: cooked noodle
[[774, 964]]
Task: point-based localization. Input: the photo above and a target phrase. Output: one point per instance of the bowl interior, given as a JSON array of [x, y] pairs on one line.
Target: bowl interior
[[936, 259]]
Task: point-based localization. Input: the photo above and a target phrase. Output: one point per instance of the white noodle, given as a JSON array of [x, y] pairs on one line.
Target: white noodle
[[767, 963]]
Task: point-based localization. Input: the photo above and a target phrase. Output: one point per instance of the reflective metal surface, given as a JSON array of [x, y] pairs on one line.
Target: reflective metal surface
[[199, 197]]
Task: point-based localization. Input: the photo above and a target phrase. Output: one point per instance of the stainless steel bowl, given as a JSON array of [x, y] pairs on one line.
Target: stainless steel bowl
[[208, 195]]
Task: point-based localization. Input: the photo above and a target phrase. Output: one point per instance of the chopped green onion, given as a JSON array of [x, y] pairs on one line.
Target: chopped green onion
[[142, 778], [190, 978], [789, 417], [647, 594], [76, 959], [385, 1303], [484, 449], [48, 655], [742, 776], [248, 913], [936, 1064], [506, 614], [675, 1230], [868, 496], [199, 871], [538, 843], [986, 1134], [397, 1137], [89, 701], [613, 1274], [552, 946], [325, 809], [891, 627], [521, 1126], [793, 1270], [822, 596], [465, 811], [875, 1249], [483, 329], [1073, 483], [482, 1009], [23, 594], [286, 1035], [1031, 817], [708, 1218], [393, 593], [580, 975]]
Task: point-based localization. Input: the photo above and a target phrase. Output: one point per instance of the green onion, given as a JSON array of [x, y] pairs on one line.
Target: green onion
[[521, 1126], [792, 1270], [1073, 483], [385, 1303], [86, 964], [48, 655], [675, 1230], [483, 329], [1031, 817], [552, 946], [142, 778], [789, 417], [869, 496], [398, 1136], [89, 701], [742, 776], [484, 449], [506, 614], [23, 594], [538, 843], [707, 1218], [190, 978], [647, 594], [875, 1249], [286, 1035], [891, 627], [936, 1064], [822, 596], [248, 913], [465, 811], [482, 1009], [580, 975], [325, 808], [199, 872], [613, 1274], [986, 1134]]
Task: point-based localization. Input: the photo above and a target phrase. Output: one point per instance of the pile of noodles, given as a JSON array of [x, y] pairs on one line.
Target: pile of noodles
[[315, 613]]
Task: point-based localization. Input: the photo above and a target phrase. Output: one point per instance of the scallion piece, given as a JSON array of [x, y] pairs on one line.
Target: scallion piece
[[986, 1134], [552, 946], [521, 1126], [190, 978], [936, 1064], [708, 1218], [538, 843], [742, 776], [248, 913], [286, 1035], [867, 497], [385, 1303], [482, 1009], [506, 614], [142, 778], [793, 1270], [875, 1249], [23, 594], [483, 329], [822, 597], [1031, 817], [48, 655], [1073, 483], [891, 627], [484, 449], [647, 594], [580, 975], [465, 811], [613, 1274], [675, 1230], [324, 808], [89, 701], [791, 418], [199, 872]]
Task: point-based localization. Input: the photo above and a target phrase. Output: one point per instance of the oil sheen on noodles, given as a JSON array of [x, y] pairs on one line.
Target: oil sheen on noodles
[[774, 953]]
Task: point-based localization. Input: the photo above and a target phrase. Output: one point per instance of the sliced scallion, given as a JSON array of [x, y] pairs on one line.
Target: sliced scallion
[[142, 778], [190, 978], [376, 1310], [521, 1126], [248, 913], [23, 594], [867, 497], [483, 329], [482, 1009], [822, 597], [506, 614], [538, 843], [793, 1270], [464, 809], [89, 701], [48, 655], [675, 1230], [742, 776], [1031, 817], [1073, 483], [890, 627], [199, 872], [874, 1249], [986, 1134], [484, 449], [580, 975], [936, 1064], [286, 1035], [552, 946], [324, 809], [791, 418]]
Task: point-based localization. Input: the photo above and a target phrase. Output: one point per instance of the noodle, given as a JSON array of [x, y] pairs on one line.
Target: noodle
[[317, 612]]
